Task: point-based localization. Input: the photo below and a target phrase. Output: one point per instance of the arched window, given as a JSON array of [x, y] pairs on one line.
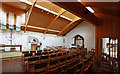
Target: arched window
[[79, 40]]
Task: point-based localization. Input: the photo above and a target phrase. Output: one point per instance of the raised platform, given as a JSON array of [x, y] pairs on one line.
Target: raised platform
[[10, 55]]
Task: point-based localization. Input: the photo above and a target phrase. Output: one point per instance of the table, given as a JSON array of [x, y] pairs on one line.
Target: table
[[12, 46]]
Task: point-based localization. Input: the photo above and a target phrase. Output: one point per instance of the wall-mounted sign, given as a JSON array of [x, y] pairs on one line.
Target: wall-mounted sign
[[11, 20], [18, 23], [3, 20]]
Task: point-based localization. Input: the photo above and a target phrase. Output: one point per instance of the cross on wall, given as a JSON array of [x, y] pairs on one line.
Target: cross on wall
[[10, 38]]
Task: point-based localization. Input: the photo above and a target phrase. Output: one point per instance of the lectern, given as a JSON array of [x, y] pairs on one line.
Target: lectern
[[33, 47]]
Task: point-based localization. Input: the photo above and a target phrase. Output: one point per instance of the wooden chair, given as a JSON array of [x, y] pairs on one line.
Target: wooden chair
[[71, 70], [33, 59], [69, 58], [39, 51], [31, 62], [79, 67], [25, 52], [64, 53], [53, 65], [74, 57], [44, 53], [86, 64], [73, 63], [38, 54], [56, 51], [44, 58], [53, 55], [50, 52], [26, 56], [41, 67], [78, 56], [32, 51], [59, 55], [62, 61]]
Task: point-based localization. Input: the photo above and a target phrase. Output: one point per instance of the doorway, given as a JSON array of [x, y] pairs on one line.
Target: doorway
[[109, 46]]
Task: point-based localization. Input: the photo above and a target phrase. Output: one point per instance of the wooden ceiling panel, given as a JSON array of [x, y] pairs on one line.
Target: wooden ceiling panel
[[69, 15], [71, 27], [19, 5], [8, 8], [35, 30], [110, 8], [39, 18], [49, 6], [106, 11], [32, 29], [103, 5], [59, 24], [50, 32], [79, 10]]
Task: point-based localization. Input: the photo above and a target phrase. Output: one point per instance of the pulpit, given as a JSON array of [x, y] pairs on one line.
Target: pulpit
[[33, 47]]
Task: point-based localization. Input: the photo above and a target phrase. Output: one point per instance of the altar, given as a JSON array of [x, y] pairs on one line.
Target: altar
[[12, 46]]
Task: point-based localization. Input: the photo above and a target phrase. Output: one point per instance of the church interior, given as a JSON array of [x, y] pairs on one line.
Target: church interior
[[59, 36]]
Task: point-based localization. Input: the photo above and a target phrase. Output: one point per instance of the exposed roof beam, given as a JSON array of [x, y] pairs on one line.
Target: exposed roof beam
[[78, 9], [79, 22], [59, 13], [43, 8], [28, 7], [40, 28], [76, 19], [34, 2]]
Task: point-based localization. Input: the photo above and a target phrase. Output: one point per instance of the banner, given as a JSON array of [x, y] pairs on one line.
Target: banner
[[18, 23], [3, 20], [11, 20]]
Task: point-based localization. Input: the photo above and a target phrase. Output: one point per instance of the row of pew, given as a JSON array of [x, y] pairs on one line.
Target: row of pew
[[57, 62]]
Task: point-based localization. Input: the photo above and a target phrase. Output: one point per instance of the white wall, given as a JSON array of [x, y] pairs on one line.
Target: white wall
[[52, 41], [84, 29], [21, 38]]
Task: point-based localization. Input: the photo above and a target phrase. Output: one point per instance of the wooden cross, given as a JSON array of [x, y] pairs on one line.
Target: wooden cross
[[11, 37]]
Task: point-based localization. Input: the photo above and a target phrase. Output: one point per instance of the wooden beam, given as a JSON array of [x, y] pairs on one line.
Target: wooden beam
[[76, 19], [79, 10], [28, 7], [29, 14], [73, 27], [40, 28], [59, 13]]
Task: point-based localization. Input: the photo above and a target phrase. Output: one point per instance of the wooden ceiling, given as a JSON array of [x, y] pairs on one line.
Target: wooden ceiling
[[46, 22], [104, 8], [43, 21]]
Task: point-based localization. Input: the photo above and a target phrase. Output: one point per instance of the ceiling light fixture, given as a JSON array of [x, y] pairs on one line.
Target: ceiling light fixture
[[42, 10], [47, 12], [90, 9]]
